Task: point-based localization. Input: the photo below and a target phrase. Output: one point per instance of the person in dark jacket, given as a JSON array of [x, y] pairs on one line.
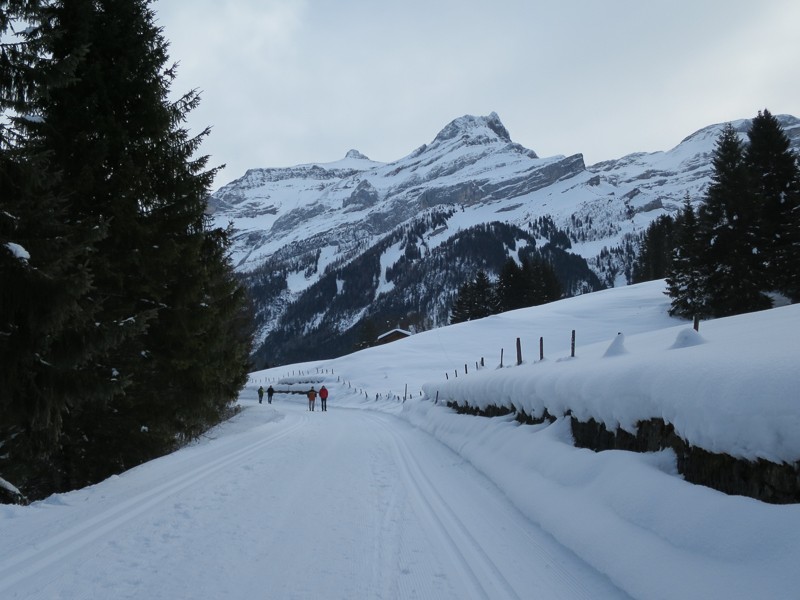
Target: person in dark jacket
[[270, 392], [312, 395], [323, 395]]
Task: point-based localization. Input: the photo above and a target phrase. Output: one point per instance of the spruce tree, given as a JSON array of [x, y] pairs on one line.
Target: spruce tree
[[775, 177], [727, 227], [541, 284], [50, 342], [126, 160], [476, 299], [655, 252], [485, 299], [685, 280], [510, 291], [463, 304], [533, 283]]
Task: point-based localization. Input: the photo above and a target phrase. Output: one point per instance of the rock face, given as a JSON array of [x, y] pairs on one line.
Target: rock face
[[363, 197], [293, 228]]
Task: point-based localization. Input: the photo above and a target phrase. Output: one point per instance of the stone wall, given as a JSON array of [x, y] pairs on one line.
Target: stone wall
[[760, 479]]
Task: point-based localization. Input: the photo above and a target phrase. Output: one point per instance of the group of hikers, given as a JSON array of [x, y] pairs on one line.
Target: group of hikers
[[270, 393], [312, 396]]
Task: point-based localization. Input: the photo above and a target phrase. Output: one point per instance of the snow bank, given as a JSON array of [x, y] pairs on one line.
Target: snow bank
[[629, 515], [731, 390]]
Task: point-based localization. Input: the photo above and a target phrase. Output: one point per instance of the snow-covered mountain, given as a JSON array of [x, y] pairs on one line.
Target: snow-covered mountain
[[338, 251]]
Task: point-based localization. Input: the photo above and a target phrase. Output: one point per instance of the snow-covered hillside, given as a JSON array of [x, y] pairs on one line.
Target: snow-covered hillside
[[729, 388], [380, 497], [295, 226]]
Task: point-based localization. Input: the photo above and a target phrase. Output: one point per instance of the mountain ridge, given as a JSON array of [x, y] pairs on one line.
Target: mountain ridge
[[296, 229]]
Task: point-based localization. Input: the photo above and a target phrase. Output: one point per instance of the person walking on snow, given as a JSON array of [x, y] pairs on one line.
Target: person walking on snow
[[260, 393], [323, 395], [270, 392], [312, 395]]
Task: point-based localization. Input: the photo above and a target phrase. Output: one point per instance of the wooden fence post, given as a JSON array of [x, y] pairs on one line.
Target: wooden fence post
[[696, 323], [519, 352], [501, 358], [572, 345], [541, 348]]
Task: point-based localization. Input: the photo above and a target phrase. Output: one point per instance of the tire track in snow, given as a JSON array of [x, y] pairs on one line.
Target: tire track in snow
[[38, 558]]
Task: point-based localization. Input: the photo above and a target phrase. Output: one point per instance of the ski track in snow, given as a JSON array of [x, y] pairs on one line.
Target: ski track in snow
[[355, 502], [480, 572], [464, 516], [36, 561]]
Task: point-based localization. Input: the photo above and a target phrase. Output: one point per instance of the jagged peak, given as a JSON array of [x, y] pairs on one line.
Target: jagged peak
[[470, 125], [356, 154]]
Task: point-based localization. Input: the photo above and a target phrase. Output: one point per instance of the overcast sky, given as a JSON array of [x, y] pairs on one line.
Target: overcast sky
[[286, 82]]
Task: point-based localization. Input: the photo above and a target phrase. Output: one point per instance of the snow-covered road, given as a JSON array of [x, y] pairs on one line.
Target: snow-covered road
[[284, 503]]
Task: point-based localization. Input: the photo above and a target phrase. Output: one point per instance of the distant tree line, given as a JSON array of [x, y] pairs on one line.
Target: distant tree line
[[123, 331], [741, 247], [531, 283]]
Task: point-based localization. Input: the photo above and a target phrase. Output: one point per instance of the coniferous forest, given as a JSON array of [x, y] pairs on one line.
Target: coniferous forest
[[531, 283], [123, 331]]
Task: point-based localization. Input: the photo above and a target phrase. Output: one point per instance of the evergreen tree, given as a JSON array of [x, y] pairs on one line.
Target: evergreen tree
[[475, 300], [367, 334], [462, 305], [685, 279], [541, 283], [655, 252], [125, 163], [775, 176], [510, 288], [50, 342], [727, 226], [533, 283], [485, 297]]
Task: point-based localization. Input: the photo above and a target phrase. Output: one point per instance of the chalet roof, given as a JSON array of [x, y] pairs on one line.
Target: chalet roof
[[395, 331]]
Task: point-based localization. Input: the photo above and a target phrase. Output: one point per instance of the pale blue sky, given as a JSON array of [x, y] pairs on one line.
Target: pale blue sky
[[286, 82]]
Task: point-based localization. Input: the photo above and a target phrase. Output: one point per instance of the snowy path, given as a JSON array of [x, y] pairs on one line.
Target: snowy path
[[284, 503]]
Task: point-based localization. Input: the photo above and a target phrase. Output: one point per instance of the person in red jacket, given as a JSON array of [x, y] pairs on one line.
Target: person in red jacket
[[323, 395]]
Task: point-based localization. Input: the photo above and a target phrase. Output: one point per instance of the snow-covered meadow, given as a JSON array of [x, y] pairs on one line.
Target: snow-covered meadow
[[733, 387], [390, 494]]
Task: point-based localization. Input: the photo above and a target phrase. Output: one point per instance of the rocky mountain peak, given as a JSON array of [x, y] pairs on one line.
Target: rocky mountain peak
[[356, 154], [489, 127]]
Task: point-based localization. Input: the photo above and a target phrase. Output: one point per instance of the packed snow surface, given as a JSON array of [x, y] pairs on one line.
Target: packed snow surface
[[389, 494]]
